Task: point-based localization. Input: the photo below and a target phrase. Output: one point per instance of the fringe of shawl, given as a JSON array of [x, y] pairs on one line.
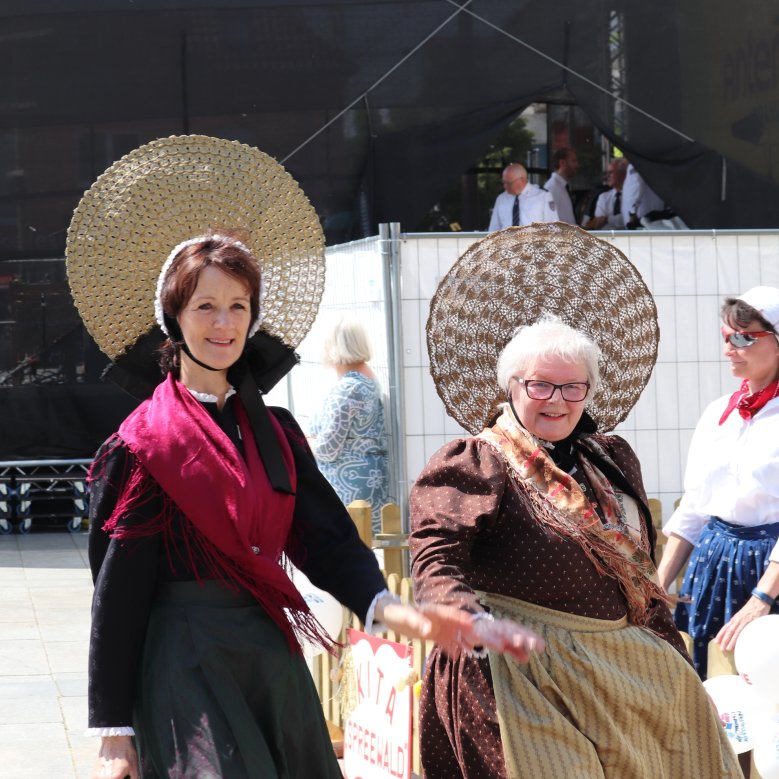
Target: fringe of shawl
[[138, 489]]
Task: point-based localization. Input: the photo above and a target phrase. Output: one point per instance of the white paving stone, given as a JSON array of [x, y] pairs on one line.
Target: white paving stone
[[23, 657], [45, 596]]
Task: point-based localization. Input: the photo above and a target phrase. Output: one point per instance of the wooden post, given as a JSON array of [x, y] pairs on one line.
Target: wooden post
[[390, 526], [687, 638], [406, 591], [720, 662], [656, 509], [360, 512], [393, 585], [323, 664]]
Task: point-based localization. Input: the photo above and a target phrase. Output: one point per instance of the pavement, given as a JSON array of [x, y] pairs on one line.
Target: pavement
[[45, 596], [45, 599]]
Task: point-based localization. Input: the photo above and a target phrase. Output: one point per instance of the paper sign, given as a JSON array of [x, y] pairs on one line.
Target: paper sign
[[377, 735]]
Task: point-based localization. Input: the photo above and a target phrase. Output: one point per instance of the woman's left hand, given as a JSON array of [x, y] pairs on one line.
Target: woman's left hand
[[452, 628], [731, 630], [505, 636]]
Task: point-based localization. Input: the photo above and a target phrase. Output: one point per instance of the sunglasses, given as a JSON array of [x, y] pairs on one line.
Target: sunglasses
[[743, 340]]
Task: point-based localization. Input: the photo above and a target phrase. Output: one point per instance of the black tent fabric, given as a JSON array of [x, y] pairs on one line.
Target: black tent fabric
[[378, 107], [68, 421]]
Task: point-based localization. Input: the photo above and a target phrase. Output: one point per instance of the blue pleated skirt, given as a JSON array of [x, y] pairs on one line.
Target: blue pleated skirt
[[723, 569]]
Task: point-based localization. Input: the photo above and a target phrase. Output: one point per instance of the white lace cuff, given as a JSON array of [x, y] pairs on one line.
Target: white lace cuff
[[480, 651], [379, 627], [108, 732]]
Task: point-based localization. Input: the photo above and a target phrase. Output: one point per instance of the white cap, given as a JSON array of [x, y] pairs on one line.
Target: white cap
[[159, 315], [766, 301]]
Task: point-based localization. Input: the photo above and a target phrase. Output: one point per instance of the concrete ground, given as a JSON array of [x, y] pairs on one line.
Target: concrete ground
[[45, 598], [45, 594]]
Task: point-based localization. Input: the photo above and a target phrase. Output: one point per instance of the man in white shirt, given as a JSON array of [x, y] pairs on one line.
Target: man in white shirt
[[566, 164], [521, 203], [608, 208], [638, 199]]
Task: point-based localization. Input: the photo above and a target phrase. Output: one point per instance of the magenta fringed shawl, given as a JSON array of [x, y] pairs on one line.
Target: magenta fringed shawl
[[231, 518]]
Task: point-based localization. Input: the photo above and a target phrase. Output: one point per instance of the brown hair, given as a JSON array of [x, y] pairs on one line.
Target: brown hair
[[217, 249], [561, 155], [737, 313]]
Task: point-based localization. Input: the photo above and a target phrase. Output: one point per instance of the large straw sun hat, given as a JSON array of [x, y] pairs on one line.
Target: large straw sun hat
[[174, 189]]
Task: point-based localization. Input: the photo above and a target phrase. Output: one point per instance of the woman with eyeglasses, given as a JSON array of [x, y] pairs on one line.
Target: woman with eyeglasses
[[540, 517], [727, 523]]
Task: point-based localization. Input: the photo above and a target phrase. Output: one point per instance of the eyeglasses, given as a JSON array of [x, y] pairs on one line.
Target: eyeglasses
[[573, 392], [743, 340]]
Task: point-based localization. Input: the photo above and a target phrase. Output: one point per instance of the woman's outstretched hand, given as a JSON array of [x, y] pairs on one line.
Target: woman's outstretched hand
[[507, 637], [117, 759], [452, 628], [731, 630]]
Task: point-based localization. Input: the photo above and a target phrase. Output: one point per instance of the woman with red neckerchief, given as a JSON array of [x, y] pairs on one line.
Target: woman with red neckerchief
[[727, 523]]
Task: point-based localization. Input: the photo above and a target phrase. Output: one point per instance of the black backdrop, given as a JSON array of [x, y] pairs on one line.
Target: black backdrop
[[427, 85], [83, 82]]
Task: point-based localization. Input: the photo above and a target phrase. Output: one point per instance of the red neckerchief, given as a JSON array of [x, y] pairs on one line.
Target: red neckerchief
[[748, 405], [228, 501]]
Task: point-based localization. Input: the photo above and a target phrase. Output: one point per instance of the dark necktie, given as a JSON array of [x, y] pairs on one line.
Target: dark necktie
[[515, 212], [617, 203]]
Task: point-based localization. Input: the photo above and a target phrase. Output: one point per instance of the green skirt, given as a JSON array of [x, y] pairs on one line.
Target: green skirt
[[221, 695]]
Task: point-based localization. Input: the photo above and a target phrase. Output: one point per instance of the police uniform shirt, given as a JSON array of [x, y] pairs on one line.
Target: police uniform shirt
[[606, 207], [557, 188], [637, 197], [535, 205]]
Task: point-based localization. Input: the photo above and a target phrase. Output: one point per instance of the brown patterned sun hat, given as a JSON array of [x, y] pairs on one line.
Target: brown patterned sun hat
[[174, 189], [512, 277]]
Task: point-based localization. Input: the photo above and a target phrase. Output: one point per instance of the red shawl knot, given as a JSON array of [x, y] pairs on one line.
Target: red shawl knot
[[749, 404]]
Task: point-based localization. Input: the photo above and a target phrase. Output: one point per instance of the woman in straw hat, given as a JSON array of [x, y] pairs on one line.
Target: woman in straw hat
[[541, 518], [195, 665], [729, 515]]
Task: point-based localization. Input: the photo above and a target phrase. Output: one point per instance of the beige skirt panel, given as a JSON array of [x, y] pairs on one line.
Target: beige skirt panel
[[605, 699]]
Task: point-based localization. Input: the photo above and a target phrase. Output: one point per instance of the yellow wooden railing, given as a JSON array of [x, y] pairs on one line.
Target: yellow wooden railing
[[394, 545]]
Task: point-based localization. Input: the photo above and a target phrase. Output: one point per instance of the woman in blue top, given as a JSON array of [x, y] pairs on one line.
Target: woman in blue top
[[349, 437]]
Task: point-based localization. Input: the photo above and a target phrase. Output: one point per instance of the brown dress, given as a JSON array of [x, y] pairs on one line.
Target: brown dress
[[472, 532]]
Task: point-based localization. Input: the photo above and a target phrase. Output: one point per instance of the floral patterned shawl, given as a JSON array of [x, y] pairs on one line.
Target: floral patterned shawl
[[618, 546]]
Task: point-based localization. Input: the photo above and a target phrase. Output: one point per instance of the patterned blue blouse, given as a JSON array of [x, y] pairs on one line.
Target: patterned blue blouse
[[351, 442]]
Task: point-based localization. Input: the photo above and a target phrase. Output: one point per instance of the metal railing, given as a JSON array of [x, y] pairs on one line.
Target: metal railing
[[43, 490]]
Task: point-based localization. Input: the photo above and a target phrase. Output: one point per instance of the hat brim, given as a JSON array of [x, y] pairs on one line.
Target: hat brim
[[176, 188], [509, 279]]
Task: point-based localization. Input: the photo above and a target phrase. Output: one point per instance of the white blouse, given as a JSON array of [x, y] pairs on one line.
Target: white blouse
[[732, 472]]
